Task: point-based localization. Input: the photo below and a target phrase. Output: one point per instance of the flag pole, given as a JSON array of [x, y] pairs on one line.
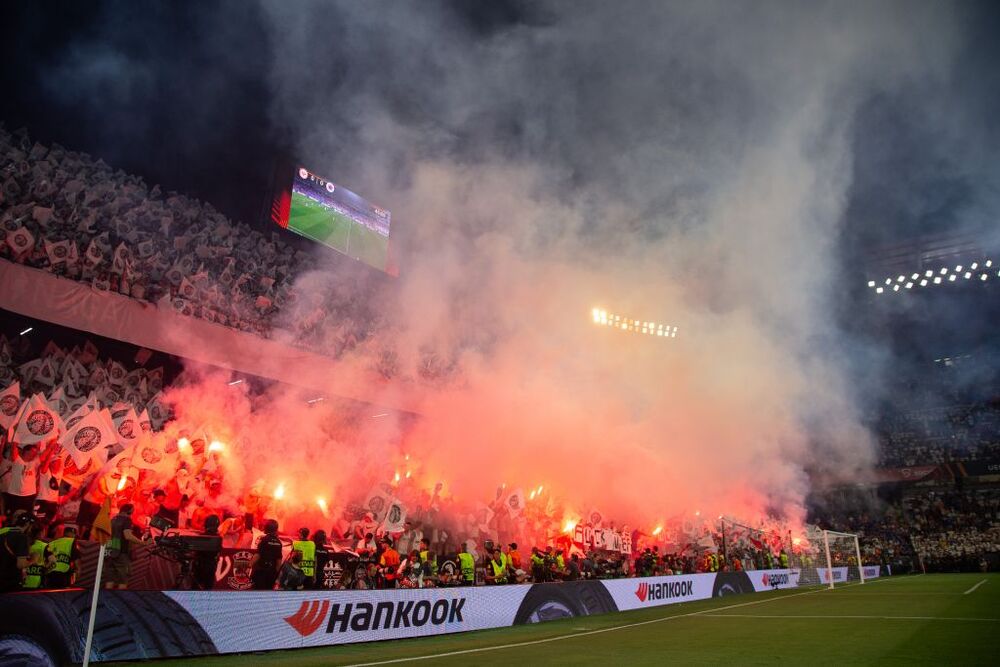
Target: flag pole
[[93, 606]]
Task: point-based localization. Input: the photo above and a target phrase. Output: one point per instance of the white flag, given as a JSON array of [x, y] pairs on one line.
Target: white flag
[[57, 399], [144, 421], [39, 422], [10, 403], [395, 516], [116, 373], [515, 502], [88, 437], [378, 501], [149, 455], [157, 408], [128, 428]]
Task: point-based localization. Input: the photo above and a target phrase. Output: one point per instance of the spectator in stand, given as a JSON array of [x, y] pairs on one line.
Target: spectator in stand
[[292, 578], [49, 482], [22, 479], [388, 564], [367, 546]]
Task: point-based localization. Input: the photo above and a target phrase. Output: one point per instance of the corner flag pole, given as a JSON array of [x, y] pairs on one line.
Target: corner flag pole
[[93, 606]]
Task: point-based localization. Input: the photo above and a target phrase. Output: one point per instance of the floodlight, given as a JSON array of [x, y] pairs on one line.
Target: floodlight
[[989, 263], [937, 280], [909, 285], [888, 281], [968, 274], [952, 277], [895, 288], [673, 335], [901, 279], [974, 266], [923, 283], [878, 290], [943, 271], [982, 277], [914, 276], [660, 332], [929, 274]]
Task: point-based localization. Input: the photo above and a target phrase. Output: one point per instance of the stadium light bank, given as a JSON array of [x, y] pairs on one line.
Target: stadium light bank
[[603, 318], [980, 270]]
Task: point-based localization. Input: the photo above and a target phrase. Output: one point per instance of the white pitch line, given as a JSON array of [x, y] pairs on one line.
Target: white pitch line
[[974, 587], [574, 635], [901, 618]]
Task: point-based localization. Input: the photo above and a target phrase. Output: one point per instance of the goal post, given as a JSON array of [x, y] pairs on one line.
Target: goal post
[[846, 547]]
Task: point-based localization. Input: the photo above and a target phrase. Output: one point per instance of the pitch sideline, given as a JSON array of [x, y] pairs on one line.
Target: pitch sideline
[[483, 649]]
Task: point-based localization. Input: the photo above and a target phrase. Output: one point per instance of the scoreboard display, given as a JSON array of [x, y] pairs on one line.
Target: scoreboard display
[[330, 214]]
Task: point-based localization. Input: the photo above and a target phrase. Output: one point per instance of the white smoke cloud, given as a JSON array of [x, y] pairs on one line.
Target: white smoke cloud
[[686, 164]]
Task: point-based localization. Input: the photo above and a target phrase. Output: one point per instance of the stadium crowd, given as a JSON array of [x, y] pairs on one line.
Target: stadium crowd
[[948, 529], [68, 214], [63, 212]]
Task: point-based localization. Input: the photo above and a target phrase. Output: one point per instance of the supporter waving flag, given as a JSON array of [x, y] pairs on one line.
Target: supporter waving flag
[[128, 428], [88, 436], [10, 404], [38, 422], [514, 502]]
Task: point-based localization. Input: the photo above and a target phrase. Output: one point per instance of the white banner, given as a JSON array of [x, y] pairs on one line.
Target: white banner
[[655, 591], [255, 621], [766, 580], [839, 574], [872, 571]]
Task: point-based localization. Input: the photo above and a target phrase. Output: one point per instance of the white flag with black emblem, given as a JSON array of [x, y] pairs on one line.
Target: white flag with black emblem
[[39, 422], [89, 436], [10, 403]]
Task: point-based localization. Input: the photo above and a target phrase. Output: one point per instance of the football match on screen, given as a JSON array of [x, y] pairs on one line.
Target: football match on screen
[[507, 332]]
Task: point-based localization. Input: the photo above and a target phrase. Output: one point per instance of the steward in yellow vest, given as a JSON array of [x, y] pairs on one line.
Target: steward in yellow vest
[[36, 566], [307, 548]]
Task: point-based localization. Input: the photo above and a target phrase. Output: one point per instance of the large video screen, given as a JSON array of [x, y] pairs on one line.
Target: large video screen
[[340, 219]]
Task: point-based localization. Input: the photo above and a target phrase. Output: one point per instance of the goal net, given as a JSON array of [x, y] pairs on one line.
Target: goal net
[[838, 560]]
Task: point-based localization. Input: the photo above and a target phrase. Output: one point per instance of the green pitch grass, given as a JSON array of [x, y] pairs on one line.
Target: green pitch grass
[[369, 246], [914, 620], [318, 223], [330, 228]]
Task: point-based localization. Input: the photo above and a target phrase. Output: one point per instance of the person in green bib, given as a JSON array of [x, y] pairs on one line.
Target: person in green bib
[[467, 564], [496, 569], [428, 559], [61, 557], [307, 548], [33, 574]]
